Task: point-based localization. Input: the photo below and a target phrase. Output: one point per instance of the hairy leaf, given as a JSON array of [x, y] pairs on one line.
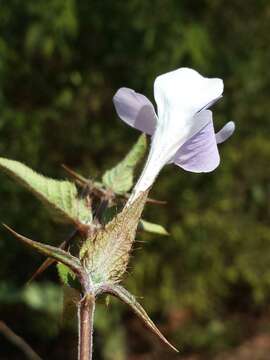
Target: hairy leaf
[[152, 227], [122, 294], [59, 195], [120, 177]]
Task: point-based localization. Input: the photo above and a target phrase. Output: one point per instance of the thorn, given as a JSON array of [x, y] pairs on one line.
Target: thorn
[[149, 200], [157, 202], [75, 175], [49, 261], [13, 232], [44, 266], [22, 238]]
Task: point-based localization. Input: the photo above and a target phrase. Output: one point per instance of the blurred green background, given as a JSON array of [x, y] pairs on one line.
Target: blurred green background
[[207, 285]]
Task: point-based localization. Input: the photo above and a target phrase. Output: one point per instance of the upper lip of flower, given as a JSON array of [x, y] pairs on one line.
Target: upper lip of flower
[[183, 131], [186, 90]]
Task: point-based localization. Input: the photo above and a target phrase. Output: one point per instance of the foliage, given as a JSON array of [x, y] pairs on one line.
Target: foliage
[[153, 228], [61, 196], [60, 65], [120, 178]]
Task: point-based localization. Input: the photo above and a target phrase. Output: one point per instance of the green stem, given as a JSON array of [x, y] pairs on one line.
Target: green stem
[[86, 309]]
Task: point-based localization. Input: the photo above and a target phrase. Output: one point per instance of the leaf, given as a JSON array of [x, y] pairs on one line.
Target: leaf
[[106, 255], [67, 276], [59, 195], [64, 273], [56, 253], [120, 178], [122, 294], [152, 228]]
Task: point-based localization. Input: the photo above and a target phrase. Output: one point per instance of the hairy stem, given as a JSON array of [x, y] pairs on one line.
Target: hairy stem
[[86, 309]]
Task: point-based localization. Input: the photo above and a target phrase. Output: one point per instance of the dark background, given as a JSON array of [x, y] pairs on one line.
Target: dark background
[[207, 285]]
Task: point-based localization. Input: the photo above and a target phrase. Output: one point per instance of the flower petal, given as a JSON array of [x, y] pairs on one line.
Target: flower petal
[[135, 110], [225, 132], [187, 90], [210, 104], [199, 153]]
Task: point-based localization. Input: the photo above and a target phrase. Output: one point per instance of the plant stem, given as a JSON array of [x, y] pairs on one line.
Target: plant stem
[[19, 342], [86, 309]]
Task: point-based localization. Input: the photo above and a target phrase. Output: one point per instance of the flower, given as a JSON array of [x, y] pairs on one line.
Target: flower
[[183, 131]]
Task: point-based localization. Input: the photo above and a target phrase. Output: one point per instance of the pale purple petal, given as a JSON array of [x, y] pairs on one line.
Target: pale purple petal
[[225, 132], [200, 152], [135, 110]]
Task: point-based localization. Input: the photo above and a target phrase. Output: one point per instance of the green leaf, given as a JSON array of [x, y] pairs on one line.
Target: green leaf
[[122, 294], [59, 195], [56, 253], [64, 273], [153, 228], [120, 178], [67, 276]]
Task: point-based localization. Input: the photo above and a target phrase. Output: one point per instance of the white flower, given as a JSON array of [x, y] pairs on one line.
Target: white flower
[[183, 131]]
